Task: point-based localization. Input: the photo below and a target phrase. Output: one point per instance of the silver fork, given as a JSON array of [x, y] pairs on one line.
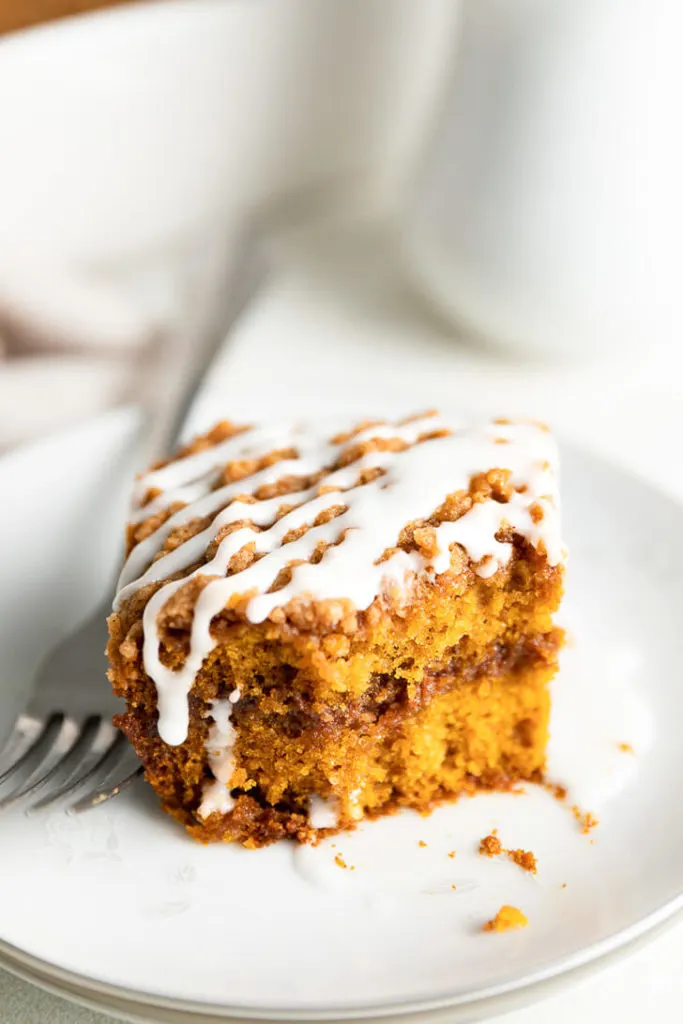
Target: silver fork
[[64, 743]]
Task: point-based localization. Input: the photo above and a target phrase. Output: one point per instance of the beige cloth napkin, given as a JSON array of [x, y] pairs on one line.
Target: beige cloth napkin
[[75, 352]]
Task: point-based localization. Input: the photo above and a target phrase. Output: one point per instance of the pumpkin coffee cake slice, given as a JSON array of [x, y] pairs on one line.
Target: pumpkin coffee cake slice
[[316, 625]]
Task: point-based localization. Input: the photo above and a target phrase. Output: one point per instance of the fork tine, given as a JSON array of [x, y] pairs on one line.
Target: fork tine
[[34, 756], [69, 759], [100, 796], [16, 742], [105, 763]]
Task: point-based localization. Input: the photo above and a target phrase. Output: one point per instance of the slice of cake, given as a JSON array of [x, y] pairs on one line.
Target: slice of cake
[[316, 624]]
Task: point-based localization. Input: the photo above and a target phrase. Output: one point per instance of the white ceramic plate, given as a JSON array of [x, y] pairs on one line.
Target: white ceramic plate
[[118, 907]]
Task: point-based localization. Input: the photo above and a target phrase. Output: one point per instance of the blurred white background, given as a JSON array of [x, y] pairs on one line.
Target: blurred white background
[[141, 140], [526, 157]]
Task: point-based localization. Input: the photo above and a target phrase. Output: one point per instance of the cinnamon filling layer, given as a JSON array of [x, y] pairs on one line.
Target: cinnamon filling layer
[[387, 694]]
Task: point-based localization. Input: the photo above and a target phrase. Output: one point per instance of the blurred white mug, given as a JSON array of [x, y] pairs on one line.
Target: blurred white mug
[[548, 215]]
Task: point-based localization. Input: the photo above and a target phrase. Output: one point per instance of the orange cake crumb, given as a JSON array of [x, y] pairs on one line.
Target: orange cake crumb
[[559, 792], [421, 843], [626, 748], [491, 846], [586, 820], [340, 862], [524, 858], [452, 854], [506, 919], [589, 823]]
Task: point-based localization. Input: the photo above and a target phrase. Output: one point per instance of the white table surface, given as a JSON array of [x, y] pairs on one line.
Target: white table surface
[[345, 331]]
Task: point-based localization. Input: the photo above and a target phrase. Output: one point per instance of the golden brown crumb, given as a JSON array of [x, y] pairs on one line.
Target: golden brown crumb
[[564, 885], [452, 854], [589, 823], [559, 792], [491, 846], [536, 512], [453, 887], [586, 820], [421, 843], [426, 540], [506, 919], [340, 862], [524, 858], [626, 748]]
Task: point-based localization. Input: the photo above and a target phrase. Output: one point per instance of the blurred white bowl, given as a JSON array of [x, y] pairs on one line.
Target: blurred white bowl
[[139, 138]]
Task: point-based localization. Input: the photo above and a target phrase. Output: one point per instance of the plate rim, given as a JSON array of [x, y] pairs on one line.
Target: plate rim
[[557, 973]]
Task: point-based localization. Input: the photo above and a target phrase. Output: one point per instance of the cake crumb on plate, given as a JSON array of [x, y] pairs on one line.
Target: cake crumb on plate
[[586, 820], [506, 919], [491, 846]]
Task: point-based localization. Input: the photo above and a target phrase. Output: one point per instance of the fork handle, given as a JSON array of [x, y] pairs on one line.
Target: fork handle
[[193, 349]]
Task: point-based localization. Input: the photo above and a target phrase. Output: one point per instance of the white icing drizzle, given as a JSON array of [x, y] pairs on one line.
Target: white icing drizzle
[[219, 749], [323, 813], [414, 483]]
